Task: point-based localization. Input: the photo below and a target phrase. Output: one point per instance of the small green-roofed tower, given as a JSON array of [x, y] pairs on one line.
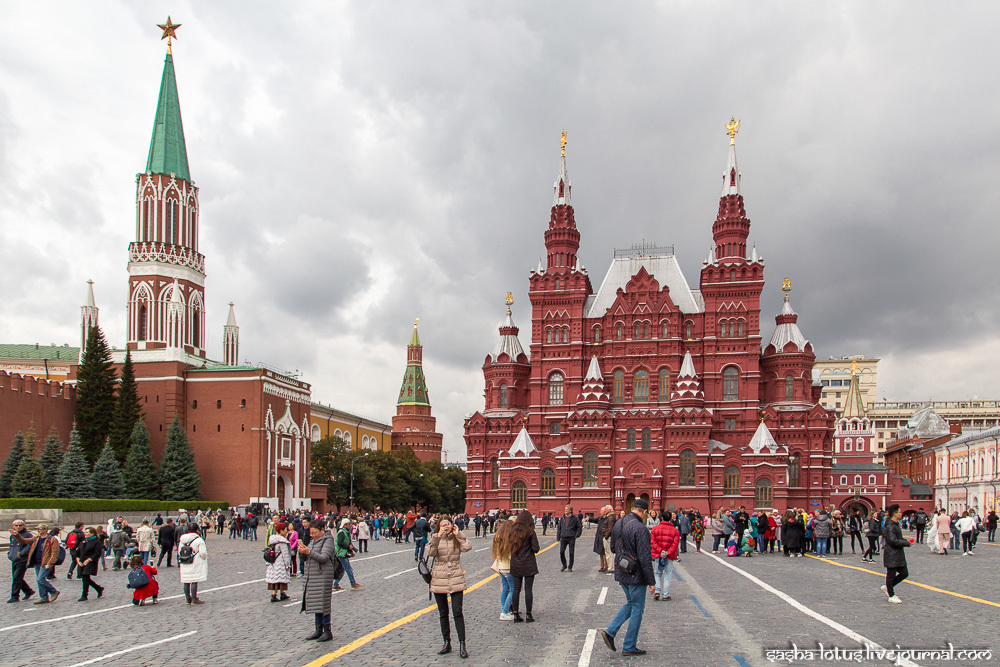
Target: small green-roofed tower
[[414, 388], [414, 426]]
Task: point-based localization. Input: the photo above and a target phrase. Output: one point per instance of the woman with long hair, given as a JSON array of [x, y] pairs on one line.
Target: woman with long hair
[[503, 550], [523, 566], [446, 547]]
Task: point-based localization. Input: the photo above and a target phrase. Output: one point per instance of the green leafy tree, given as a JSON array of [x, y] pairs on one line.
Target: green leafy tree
[[179, 478], [29, 481], [95, 394], [106, 480], [139, 474], [128, 410], [330, 464], [52, 456], [11, 465], [73, 476]]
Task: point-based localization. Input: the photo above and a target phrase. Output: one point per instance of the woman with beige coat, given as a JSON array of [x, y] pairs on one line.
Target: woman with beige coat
[[447, 577]]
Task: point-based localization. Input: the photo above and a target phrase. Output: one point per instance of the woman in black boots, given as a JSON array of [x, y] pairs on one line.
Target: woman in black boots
[[523, 566], [88, 557], [447, 577]]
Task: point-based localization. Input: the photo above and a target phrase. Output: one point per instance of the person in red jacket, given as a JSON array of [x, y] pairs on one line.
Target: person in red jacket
[[664, 543], [150, 590]]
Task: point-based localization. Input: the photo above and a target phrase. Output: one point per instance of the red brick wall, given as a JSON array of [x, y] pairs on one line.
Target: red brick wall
[[27, 401]]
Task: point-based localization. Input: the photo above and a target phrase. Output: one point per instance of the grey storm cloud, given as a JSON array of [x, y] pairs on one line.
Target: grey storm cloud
[[360, 165]]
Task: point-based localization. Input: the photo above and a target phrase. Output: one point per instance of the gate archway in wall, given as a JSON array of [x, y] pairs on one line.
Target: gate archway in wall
[[284, 492], [629, 499], [645, 497]]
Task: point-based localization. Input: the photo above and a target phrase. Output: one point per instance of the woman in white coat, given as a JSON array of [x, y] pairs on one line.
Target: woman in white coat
[[196, 571], [279, 572]]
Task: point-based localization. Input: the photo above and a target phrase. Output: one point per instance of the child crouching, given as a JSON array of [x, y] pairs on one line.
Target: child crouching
[[149, 589]]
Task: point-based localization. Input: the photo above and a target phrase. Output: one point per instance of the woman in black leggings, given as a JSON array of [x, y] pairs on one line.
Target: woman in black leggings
[[523, 567], [874, 530], [446, 547]]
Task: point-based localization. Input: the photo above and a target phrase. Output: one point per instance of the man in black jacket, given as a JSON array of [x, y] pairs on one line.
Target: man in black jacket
[[893, 556], [920, 522], [631, 538], [568, 528], [166, 540]]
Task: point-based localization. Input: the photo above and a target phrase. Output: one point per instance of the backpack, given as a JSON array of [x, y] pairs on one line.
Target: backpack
[[117, 539], [185, 554], [71, 540], [731, 550], [271, 554], [62, 555], [138, 578]]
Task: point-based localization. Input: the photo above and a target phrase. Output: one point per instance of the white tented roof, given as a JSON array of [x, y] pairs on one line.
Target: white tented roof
[[523, 444], [762, 438], [508, 342], [664, 268]]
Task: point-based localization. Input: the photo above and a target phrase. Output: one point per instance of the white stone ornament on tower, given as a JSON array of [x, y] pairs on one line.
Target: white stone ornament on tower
[[88, 317], [231, 339], [175, 318]]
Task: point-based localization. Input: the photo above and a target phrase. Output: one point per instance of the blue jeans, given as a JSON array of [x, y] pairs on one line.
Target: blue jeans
[[322, 619], [145, 557], [418, 547], [664, 565], [45, 589], [346, 562], [631, 611], [821, 545], [506, 592]]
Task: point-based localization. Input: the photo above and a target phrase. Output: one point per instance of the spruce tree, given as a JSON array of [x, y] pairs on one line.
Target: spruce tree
[[139, 474], [106, 480], [178, 475], [11, 465], [73, 477], [29, 481], [95, 394], [52, 456], [128, 410]]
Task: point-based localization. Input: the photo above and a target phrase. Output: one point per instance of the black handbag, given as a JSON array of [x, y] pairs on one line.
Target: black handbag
[[623, 561], [424, 568]]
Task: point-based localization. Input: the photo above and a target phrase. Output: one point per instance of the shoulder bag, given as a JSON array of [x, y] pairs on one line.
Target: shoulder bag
[[623, 561]]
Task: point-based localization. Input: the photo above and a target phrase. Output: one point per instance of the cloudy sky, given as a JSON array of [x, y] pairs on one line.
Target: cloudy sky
[[362, 164]]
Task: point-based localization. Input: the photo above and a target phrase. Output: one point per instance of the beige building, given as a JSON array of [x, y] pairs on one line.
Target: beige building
[[46, 362], [966, 472], [835, 375], [359, 432]]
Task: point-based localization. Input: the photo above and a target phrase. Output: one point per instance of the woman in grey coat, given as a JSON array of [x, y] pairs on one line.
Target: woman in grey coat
[[318, 589]]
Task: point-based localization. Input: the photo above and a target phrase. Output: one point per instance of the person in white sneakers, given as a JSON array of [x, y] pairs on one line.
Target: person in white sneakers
[[965, 526], [893, 556]]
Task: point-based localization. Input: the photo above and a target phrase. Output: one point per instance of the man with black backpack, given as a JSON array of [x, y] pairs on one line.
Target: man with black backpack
[[118, 541], [74, 541], [920, 522]]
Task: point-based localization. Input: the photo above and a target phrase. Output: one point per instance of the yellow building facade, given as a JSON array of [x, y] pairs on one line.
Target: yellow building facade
[[360, 433]]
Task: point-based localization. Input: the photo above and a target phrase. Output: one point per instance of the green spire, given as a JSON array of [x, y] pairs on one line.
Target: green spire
[[167, 151], [414, 389], [415, 339]]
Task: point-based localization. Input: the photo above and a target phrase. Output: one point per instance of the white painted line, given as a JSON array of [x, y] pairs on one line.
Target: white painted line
[[603, 596], [390, 553], [588, 648], [842, 629], [485, 548], [292, 603], [135, 648], [399, 573], [123, 606]]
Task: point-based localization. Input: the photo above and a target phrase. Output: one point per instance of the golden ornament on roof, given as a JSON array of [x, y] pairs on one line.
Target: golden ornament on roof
[[562, 143], [854, 367], [509, 300], [786, 285], [732, 127]]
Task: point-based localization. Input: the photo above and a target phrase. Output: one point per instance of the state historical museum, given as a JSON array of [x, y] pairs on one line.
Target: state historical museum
[[648, 388]]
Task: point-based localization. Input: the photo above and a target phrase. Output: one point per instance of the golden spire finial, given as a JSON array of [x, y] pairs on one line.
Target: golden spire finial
[[732, 127], [415, 320], [854, 367], [562, 143], [786, 286], [509, 300], [169, 32]]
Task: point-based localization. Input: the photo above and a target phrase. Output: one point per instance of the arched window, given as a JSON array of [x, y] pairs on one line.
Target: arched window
[[558, 284], [687, 468], [191, 225], [173, 207], [519, 495], [857, 479], [347, 440], [793, 471], [548, 482], [218, 405], [843, 480], [640, 386], [618, 387], [645, 330], [364, 442], [871, 479], [147, 206], [565, 333], [495, 474], [503, 396], [664, 387], [763, 494], [590, 469], [646, 438], [556, 389], [689, 331], [638, 330], [740, 330], [731, 384], [196, 327], [548, 335], [789, 388], [597, 334], [142, 323], [630, 439], [732, 481], [620, 331], [666, 333], [722, 328], [338, 434]]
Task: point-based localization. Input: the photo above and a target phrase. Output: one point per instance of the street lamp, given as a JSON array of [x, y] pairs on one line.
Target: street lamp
[[352, 479]]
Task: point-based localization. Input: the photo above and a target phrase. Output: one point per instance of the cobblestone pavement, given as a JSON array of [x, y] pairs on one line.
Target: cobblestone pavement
[[717, 616]]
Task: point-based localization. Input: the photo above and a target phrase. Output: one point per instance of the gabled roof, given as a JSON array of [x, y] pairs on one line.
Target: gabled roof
[[663, 268], [523, 444], [167, 150], [762, 438], [50, 352]]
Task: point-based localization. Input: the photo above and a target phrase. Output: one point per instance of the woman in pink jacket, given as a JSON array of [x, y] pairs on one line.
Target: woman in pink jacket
[[943, 523]]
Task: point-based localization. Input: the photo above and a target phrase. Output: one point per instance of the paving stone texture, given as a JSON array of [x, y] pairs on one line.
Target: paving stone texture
[[715, 616]]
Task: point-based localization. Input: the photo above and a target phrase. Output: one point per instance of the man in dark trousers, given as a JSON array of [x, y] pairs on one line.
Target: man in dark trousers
[[920, 522], [165, 538], [893, 556], [741, 521], [546, 520], [631, 538], [568, 528]]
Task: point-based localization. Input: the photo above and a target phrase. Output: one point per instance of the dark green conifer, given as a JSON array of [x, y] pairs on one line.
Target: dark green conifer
[[29, 481], [106, 480], [52, 456], [178, 475], [95, 394], [128, 410], [11, 465], [139, 474], [73, 476]]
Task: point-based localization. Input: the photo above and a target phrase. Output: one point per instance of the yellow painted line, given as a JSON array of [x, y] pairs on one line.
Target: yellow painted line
[[375, 634], [907, 581]]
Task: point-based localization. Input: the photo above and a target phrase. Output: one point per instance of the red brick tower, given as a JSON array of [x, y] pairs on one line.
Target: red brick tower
[[413, 426]]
